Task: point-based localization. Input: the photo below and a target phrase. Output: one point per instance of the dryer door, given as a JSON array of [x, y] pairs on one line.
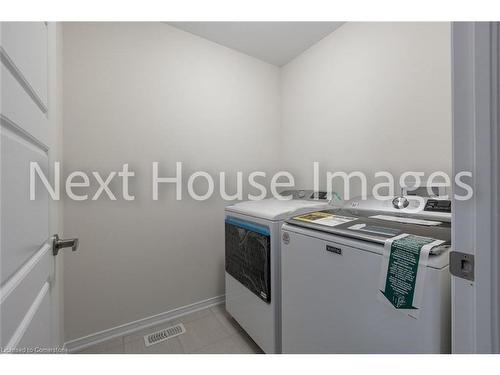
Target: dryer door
[[248, 255]]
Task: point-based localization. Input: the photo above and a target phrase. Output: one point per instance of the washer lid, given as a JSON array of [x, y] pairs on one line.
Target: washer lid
[[275, 209]]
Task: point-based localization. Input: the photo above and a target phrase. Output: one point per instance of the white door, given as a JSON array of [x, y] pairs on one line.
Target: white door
[[475, 261], [28, 304]]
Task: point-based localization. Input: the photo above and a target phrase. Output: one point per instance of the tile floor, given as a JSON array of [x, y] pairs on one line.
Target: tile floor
[[208, 331]]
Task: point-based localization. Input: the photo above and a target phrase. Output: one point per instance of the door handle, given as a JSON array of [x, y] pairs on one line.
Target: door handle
[[58, 244]]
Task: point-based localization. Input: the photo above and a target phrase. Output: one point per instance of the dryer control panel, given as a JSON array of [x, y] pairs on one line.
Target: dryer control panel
[[306, 194]]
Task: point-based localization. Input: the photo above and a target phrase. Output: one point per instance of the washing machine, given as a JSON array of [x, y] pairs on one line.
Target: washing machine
[[252, 261], [331, 273]]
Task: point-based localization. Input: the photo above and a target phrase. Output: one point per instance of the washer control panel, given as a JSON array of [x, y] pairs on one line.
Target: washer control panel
[[438, 205]]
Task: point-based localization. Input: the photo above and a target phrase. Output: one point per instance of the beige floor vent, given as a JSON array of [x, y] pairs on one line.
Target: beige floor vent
[[164, 334]]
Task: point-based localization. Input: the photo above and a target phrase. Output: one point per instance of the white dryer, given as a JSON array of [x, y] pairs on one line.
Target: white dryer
[[331, 269], [252, 262]]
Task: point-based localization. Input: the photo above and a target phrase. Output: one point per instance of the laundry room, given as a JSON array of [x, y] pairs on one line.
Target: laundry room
[[241, 187], [364, 97]]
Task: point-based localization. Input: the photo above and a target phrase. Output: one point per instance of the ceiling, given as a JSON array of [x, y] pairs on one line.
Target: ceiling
[[274, 42]]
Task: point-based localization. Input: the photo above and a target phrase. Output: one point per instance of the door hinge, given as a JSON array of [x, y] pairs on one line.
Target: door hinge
[[462, 265]]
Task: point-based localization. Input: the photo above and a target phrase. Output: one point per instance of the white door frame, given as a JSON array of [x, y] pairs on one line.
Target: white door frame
[[55, 210], [475, 77]]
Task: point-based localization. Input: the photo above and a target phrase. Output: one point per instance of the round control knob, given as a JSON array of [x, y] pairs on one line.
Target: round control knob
[[400, 202]]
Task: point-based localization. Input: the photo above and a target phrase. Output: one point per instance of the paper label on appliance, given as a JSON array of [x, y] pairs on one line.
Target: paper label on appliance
[[324, 218], [404, 265]]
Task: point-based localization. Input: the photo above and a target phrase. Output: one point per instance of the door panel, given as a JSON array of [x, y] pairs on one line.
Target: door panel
[[25, 43], [27, 269], [19, 297], [34, 330], [20, 111], [24, 222]]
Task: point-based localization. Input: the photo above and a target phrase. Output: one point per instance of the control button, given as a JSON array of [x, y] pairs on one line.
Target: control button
[[400, 202]]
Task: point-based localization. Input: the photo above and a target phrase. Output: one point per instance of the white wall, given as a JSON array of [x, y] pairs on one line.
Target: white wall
[[369, 97], [139, 93]]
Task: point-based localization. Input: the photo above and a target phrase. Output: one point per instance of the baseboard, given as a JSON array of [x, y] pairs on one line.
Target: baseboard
[[124, 329]]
